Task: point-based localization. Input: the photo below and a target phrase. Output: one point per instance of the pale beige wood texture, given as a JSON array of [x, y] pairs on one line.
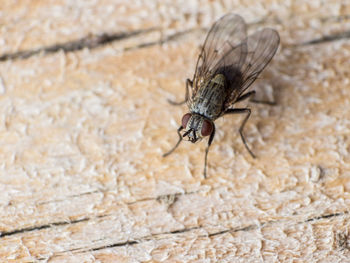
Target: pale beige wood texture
[[82, 133]]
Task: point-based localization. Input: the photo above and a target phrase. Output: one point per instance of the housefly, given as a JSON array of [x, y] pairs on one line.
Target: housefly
[[228, 64]]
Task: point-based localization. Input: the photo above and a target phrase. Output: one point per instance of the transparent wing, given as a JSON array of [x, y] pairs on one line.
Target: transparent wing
[[262, 46], [223, 44]]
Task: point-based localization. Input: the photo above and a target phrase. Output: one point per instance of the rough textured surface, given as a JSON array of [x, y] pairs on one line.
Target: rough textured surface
[[82, 131]]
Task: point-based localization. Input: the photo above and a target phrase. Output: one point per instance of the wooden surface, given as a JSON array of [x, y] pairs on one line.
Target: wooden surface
[[85, 120]]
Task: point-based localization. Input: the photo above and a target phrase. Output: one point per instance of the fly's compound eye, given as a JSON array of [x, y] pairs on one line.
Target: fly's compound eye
[[207, 128], [185, 119]]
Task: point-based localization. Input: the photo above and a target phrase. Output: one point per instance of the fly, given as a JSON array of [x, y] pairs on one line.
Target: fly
[[228, 64]]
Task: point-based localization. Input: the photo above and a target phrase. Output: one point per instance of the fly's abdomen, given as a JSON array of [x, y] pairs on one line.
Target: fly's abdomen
[[210, 98]]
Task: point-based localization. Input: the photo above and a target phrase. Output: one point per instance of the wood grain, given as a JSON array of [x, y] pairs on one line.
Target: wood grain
[[85, 120]]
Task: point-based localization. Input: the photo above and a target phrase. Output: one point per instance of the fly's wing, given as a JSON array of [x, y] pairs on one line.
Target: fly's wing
[[225, 39], [262, 46]]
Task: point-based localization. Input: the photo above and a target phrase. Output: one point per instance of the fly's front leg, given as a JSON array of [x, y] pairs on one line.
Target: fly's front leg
[[247, 111], [177, 144], [211, 138], [188, 82]]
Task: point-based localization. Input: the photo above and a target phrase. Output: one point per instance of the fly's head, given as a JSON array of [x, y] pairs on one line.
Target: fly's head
[[196, 127]]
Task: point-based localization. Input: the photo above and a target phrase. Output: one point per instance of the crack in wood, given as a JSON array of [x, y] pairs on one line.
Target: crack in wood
[[45, 226], [90, 42], [133, 242], [162, 41], [95, 41], [263, 224], [247, 228], [328, 38], [185, 230], [175, 195], [67, 198], [62, 223], [326, 216], [146, 238], [40, 227]]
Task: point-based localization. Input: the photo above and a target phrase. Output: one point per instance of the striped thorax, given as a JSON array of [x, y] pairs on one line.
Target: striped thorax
[[205, 107]]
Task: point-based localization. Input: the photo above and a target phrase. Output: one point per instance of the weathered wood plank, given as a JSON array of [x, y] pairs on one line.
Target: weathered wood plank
[[82, 132]]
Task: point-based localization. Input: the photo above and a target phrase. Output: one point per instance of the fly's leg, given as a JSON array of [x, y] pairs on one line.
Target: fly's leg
[[247, 111], [211, 138], [251, 93], [188, 82], [245, 96], [271, 103], [177, 144]]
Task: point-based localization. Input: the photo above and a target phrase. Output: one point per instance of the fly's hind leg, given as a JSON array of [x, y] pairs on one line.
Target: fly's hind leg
[[252, 93], [211, 138], [188, 82], [247, 111], [177, 144]]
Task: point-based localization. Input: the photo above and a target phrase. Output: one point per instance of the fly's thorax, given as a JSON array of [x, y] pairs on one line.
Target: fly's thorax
[[210, 98], [196, 126], [219, 79]]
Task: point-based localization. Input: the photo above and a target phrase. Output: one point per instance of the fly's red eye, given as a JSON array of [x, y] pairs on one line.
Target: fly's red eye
[[207, 128], [185, 119]]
